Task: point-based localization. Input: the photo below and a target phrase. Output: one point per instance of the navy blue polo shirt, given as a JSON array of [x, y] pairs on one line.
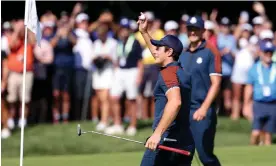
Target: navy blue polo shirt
[[201, 63], [169, 77]]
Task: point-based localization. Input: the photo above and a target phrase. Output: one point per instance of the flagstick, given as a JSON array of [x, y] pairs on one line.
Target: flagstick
[[23, 99]]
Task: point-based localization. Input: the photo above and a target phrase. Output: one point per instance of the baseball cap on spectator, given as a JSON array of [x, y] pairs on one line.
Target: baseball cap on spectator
[[170, 41], [133, 25], [82, 17], [7, 25], [209, 25], [225, 21], [195, 21], [125, 23], [171, 25], [149, 15], [267, 46], [185, 17], [246, 27], [266, 34], [258, 20]]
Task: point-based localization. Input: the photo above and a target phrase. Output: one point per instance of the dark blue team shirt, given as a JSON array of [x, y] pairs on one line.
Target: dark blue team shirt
[[63, 52], [169, 77], [201, 63], [64, 56], [133, 57]]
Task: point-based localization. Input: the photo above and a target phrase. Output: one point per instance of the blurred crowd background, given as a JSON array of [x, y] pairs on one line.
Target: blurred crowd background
[[80, 72]]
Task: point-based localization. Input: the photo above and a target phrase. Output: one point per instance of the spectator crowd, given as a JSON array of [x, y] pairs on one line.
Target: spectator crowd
[[103, 70]]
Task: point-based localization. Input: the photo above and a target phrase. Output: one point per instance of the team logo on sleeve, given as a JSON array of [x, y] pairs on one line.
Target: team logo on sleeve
[[199, 60]]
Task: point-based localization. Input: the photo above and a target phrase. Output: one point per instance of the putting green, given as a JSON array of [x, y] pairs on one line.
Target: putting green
[[229, 156]]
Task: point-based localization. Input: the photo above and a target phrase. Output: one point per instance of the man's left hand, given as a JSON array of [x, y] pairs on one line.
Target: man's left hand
[[153, 142], [200, 114]]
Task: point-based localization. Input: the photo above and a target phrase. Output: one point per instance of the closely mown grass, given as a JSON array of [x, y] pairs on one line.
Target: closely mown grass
[[229, 156], [62, 139]]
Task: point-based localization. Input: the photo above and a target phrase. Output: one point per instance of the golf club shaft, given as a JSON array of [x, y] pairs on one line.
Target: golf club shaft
[[130, 140], [186, 153], [183, 152]]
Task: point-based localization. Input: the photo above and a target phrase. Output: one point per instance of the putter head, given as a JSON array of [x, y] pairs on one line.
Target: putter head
[[79, 130]]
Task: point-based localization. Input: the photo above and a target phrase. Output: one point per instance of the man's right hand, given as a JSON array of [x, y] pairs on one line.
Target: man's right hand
[[142, 24]]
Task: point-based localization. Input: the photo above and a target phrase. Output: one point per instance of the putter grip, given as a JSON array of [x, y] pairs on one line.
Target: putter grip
[[184, 152]]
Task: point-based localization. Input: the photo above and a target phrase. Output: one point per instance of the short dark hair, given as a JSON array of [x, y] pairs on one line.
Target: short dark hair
[[175, 55]]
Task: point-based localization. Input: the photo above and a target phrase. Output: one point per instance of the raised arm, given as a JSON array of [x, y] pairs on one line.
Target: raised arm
[[143, 26]]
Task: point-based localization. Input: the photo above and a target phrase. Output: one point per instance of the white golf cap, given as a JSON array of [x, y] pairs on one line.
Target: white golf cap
[[149, 15], [209, 25], [133, 24], [266, 34], [185, 17], [7, 25], [171, 25], [258, 20], [82, 17], [246, 27]]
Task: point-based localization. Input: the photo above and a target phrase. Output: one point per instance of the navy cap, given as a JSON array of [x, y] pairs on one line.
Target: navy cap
[[170, 41], [195, 21], [267, 46], [125, 22]]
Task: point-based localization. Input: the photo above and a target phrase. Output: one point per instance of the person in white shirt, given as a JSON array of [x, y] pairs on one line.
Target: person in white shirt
[[84, 54], [105, 56], [244, 59]]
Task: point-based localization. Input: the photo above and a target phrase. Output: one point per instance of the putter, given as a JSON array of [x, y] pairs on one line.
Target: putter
[[183, 152]]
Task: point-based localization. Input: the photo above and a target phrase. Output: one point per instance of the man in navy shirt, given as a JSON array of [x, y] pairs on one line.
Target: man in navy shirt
[[63, 43], [172, 103], [262, 86], [204, 63]]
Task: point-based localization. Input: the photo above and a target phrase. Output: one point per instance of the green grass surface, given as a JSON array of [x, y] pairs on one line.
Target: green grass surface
[[59, 145], [229, 156], [63, 139]]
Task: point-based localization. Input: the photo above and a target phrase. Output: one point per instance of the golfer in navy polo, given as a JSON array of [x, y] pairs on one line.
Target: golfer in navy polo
[[261, 86], [204, 63], [172, 103]]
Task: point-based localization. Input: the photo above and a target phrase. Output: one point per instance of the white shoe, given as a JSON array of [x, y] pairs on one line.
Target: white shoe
[[131, 131], [5, 133], [115, 129], [101, 126], [11, 123], [20, 123]]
